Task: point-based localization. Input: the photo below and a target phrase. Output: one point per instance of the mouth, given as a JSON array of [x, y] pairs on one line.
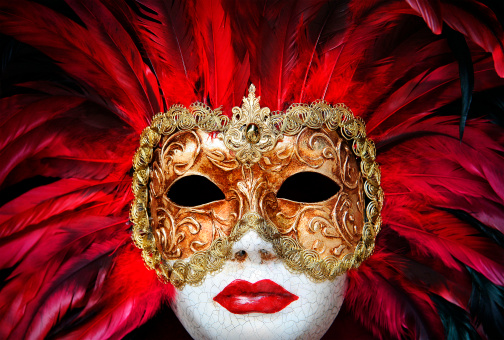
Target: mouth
[[265, 296]]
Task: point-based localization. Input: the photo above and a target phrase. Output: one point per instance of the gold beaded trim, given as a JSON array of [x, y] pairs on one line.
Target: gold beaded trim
[[298, 116]]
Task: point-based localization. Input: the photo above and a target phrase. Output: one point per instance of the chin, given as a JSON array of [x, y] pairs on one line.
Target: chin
[[306, 310]]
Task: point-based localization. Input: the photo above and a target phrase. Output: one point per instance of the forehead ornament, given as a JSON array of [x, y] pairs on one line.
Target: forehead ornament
[[252, 130], [251, 133]]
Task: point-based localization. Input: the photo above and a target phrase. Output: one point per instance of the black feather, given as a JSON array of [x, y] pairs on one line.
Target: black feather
[[20, 63], [489, 232], [459, 47], [490, 103], [487, 305], [456, 321]]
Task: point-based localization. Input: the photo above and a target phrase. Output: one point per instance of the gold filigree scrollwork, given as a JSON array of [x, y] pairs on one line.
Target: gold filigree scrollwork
[[176, 158], [316, 150], [250, 189], [349, 176], [251, 132], [322, 226], [172, 230], [220, 160], [167, 237], [295, 256], [343, 218], [278, 160]]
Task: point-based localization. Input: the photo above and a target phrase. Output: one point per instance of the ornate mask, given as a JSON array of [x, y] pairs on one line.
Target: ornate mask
[[298, 190]]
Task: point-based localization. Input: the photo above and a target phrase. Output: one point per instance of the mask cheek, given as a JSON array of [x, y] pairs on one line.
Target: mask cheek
[[182, 231], [348, 217], [331, 227], [317, 231]]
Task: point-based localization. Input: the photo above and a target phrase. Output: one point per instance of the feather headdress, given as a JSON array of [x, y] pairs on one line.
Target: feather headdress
[[81, 79]]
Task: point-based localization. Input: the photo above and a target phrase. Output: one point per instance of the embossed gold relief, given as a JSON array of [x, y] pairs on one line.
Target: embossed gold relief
[[248, 161], [251, 131], [181, 231], [314, 224]]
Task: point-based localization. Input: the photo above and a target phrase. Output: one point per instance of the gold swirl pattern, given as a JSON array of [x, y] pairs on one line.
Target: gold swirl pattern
[[251, 132]]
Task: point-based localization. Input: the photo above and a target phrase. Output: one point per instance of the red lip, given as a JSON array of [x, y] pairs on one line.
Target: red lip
[[265, 296]]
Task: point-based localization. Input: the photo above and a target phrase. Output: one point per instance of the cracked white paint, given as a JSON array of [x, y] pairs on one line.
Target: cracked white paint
[[309, 317]]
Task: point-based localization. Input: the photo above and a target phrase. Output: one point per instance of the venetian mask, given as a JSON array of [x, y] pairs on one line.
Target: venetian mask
[[256, 219]]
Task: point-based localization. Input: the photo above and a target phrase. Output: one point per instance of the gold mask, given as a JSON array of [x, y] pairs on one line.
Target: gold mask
[[202, 181]]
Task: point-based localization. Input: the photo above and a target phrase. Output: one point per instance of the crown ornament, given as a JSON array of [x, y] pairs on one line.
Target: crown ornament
[[251, 131]]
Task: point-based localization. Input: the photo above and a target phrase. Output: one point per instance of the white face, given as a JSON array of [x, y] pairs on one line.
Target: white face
[[273, 316]]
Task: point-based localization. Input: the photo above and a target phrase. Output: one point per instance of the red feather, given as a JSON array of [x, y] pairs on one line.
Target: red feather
[[225, 73], [409, 313], [95, 63], [480, 25], [166, 35], [130, 297], [430, 10]]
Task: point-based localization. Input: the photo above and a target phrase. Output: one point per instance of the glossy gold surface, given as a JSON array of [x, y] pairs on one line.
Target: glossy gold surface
[[333, 226], [249, 160]]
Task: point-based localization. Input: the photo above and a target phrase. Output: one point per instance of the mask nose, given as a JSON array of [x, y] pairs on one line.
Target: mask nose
[[252, 248]]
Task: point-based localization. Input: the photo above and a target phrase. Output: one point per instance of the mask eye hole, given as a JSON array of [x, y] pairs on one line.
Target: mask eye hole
[[308, 187], [194, 190]]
